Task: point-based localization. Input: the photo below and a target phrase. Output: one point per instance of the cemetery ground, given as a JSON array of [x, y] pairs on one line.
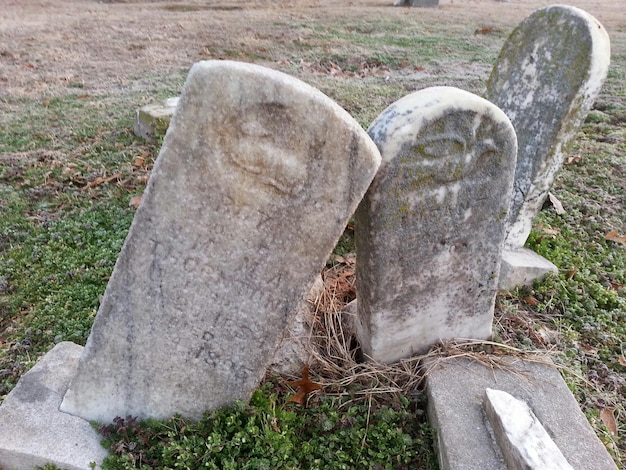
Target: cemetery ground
[[72, 74]]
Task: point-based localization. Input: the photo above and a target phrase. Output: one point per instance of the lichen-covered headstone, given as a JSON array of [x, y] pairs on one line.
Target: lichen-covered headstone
[[257, 177], [429, 231], [546, 79]]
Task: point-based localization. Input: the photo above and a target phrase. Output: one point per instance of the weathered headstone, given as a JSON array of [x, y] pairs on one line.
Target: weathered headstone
[[416, 3], [546, 79], [257, 177], [429, 230]]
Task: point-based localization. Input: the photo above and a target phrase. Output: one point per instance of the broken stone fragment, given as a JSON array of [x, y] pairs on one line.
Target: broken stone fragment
[[523, 441]]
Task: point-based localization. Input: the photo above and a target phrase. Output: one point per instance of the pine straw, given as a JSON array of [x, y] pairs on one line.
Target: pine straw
[[337, 363]]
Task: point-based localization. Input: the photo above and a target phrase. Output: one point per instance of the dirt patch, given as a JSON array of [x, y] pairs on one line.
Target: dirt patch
[[54, 47]]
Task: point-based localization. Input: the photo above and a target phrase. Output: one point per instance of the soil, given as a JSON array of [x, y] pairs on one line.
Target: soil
[[53, 47]]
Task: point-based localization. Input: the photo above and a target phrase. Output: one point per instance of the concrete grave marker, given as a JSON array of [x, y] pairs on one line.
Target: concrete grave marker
[[547, 76], [429, 231], [257, 178]]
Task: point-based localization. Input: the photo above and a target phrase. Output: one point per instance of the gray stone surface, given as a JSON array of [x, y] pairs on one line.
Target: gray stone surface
[[153, 120], [257, 178], [455, 388], [33, 431], [548, 74], [523, 441], [417, 3], [429, 231], [294, 351], [522, 267]]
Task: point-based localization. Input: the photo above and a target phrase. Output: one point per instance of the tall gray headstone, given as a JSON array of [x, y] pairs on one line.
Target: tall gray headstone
[[429, 231], [257, 177], [547, 76]]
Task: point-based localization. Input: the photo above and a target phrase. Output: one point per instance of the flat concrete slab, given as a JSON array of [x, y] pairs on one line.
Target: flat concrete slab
[[522, 267], [33, 431], [456, 387]]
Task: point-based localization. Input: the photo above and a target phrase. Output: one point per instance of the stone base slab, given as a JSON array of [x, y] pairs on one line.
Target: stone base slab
[[522, 267], [33, 432], [455, 390]]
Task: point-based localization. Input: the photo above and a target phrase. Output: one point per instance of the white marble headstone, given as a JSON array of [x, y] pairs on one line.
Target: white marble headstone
[[429, 231], [258, 175]]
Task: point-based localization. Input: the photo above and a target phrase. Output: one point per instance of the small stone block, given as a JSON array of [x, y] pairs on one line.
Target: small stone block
[[33, 432], [522, 439], [153, 120], [455, 389], [522, 267], [417, 3]]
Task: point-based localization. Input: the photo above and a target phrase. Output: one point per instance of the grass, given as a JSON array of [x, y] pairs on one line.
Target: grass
[[68, 170]]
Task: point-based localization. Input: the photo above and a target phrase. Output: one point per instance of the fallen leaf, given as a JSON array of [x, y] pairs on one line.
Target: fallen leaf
[[571, 273], [305, 386], [100, 180], [574, 159], [549, 231], [134, 202], [488, 30], [274, 424], [530, 300], [621, 360], [615, 237], [608, 418], [558, 207]]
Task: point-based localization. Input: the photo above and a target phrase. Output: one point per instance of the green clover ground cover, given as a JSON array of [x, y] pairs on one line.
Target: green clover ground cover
[[269, 434]]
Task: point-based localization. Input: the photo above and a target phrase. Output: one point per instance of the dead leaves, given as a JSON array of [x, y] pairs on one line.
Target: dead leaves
[[558, 207], [552, 232], [305, 386], [613, 236], [573, 159], [607, 415], [488, 30], [135, 201], [101, 180], [530, 300]]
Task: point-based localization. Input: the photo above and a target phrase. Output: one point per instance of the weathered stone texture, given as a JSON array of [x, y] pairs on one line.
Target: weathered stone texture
[[547, 76], [153, 120], [524, 442], [257, 177], [455, 387], [429, 231], [417, 3], [33, 432]]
